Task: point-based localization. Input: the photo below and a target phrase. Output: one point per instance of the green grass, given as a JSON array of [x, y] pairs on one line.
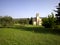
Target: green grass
[[28, 36]]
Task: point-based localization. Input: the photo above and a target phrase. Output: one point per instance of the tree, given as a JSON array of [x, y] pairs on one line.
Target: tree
[[58, 14], [6, 21], [31, 21], [49, 22], [45, 22], [23, 21]]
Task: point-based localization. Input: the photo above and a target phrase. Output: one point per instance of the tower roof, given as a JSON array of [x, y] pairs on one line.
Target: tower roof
[[37, 14]]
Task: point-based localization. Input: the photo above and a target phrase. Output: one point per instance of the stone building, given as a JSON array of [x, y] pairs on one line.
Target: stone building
[[37, 20]]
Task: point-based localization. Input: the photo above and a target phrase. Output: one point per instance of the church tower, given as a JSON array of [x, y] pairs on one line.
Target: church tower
[[37, 18]]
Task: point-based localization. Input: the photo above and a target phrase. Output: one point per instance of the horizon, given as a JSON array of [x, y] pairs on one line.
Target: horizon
[[27, 8]]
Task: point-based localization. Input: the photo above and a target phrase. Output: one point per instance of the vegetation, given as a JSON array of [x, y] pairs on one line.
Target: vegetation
[[22, 21], [6, 21], [31, 21], [58, 15], [28, 35], [49, 22]]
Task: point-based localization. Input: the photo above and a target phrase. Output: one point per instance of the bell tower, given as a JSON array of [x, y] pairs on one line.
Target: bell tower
[[37, 18]]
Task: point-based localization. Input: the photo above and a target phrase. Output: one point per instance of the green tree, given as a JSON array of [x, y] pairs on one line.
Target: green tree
[[6, 21], [45, 22], [24, 21], [49, 22], [58, 14], [31, 21]]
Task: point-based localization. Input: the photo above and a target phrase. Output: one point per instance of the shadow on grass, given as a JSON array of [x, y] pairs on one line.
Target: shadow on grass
[[39, 29]]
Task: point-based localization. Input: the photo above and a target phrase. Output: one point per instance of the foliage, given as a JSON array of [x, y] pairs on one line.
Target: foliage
[[31, 21], [16, 21], [49, 22], [57, 26], [24, 21], [21, 21], [58, 15], [45, 22], [6, 21]]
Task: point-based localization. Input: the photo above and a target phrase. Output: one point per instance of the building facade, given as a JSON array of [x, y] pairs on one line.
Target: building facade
[[37, 20]]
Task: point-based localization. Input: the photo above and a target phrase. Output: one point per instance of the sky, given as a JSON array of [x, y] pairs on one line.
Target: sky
[[27, 8]]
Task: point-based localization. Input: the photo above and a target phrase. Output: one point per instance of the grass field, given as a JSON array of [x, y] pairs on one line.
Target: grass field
[[28, 35]]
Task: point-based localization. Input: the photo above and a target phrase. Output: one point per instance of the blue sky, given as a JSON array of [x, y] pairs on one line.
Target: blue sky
[[27, 8]]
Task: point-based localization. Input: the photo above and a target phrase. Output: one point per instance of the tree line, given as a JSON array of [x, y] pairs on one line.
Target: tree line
[[8, 21]]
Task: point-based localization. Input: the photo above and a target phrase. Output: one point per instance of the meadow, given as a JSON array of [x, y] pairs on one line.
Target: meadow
[[29, 35]]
